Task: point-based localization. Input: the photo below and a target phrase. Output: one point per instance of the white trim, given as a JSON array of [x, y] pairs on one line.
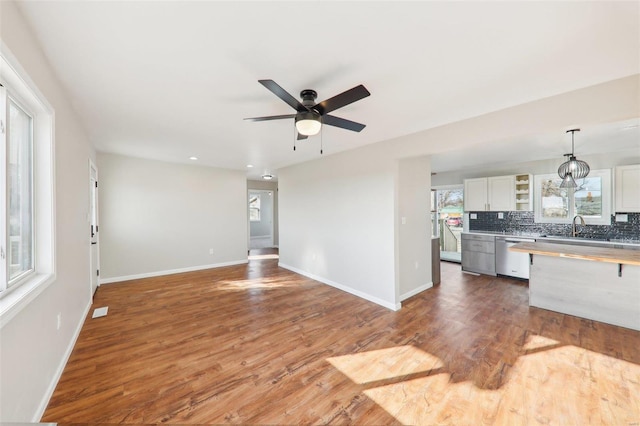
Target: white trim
[[378, 301], [63, 363], [170, 272], [415, 291]]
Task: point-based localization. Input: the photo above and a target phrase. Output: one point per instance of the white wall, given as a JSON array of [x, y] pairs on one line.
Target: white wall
[[158, 217], [595, 161], [337, 222], [33, 351]]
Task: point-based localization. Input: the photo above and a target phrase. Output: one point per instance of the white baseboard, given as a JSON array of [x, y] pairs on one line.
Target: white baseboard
[[170, 271], [56, 377], [416, 291], [378, 301]]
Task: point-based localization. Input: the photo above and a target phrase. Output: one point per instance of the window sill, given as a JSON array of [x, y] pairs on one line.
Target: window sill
[[17, 299]]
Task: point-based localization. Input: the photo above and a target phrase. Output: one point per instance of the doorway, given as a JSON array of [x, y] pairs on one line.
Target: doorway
[[94, 255], [447, 218], [261, 219]]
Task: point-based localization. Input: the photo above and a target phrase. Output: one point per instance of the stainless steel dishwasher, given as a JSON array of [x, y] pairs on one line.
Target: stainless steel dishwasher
[[511, 263]]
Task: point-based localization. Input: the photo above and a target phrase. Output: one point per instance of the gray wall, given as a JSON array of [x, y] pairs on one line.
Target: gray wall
[[263, 227], [158, 217], [33, 351]]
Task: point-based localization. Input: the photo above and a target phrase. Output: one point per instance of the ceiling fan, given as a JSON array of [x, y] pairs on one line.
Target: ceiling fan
[[310, 115]]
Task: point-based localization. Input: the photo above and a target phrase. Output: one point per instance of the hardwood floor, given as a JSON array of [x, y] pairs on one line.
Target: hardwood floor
[[259, 344]]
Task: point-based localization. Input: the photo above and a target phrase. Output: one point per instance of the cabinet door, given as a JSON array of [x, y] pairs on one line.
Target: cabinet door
[[628, 189], [501, 193], [475, 195]]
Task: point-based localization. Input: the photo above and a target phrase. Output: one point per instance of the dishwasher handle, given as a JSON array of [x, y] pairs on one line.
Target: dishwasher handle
[[514, 240]]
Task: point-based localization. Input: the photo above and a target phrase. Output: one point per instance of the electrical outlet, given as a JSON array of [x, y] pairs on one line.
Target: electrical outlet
[[622, 218], [59, 321], [473, 216], [210, 251], [404, 220], [500, 215], [417, 264]]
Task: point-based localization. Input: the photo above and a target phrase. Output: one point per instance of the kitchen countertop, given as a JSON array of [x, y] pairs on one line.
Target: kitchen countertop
[[614, 243], [599, 254]]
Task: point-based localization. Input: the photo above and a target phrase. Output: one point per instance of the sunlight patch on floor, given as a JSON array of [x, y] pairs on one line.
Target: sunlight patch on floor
[[559, 385], [372, 366], [258, 283]]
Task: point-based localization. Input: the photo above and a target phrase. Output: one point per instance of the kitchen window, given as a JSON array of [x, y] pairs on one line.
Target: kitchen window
[[591, 199], [27, 241]]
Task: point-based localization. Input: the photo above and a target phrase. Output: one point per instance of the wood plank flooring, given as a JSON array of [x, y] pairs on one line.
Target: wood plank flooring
[[262, 345]]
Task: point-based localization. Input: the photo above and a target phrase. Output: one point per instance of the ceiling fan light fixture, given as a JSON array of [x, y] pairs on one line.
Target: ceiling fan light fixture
[[308, 123], [267, 176]]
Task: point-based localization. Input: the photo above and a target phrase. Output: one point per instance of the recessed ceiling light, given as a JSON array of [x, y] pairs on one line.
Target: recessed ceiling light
[[193, 158], [632, 126], [249, 166], [267, 177]]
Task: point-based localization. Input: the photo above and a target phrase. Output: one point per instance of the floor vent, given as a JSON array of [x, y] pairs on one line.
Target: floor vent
[[100, 312]]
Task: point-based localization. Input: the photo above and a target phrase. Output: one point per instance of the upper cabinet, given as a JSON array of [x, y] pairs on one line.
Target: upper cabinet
[[490, 194], [627, 188], [524, 192]]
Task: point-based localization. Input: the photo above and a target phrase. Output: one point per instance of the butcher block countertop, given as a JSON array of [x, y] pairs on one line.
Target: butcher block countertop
[[598, 254]]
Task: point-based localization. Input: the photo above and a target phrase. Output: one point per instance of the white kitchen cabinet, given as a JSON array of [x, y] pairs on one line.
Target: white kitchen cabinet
[[627, 188], [475, 195], [496, 193]]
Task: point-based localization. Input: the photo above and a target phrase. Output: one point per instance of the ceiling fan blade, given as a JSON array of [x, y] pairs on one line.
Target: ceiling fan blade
[[332, 120], [283, 94], [271, 117], [343, 99], [301, 136]]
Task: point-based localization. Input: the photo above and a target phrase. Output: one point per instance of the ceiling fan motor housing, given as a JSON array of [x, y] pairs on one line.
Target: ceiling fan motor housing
[[308, 97]]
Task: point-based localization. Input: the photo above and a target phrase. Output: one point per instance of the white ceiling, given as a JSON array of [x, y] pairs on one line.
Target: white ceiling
[[170, 80]]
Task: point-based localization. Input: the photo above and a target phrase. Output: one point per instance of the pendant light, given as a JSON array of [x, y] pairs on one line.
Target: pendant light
[[573, 168]]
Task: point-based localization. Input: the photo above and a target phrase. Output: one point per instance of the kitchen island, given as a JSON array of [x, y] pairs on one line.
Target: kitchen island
[[598, 283]]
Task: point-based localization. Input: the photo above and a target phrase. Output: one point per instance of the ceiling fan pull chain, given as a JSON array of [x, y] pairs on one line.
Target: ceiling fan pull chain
[[294, 135], [321, 139]]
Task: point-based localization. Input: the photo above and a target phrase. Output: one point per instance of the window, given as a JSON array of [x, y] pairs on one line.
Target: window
[[20, 191], [254, 207], [27, 241], [591, 199]]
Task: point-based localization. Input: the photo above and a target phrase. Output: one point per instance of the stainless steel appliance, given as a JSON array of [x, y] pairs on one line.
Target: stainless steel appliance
[[511, 263], [478, 253]]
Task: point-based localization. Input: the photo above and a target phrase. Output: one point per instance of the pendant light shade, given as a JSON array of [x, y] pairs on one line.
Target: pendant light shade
[[568, 182], [573, 168]]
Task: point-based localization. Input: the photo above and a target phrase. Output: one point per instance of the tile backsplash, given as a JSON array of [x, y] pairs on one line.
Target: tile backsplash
[[517, 223]]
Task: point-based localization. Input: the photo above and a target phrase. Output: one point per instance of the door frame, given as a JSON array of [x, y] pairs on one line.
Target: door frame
[[93, 208]]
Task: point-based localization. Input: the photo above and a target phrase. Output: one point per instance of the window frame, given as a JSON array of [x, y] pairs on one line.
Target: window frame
[[23, 91], [606, 199], [23, 276]]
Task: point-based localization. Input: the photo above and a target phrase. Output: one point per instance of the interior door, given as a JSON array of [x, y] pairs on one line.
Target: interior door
[[94, 228]]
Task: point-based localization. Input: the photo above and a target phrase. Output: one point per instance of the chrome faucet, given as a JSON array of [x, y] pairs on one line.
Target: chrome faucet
[[574, 231]]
